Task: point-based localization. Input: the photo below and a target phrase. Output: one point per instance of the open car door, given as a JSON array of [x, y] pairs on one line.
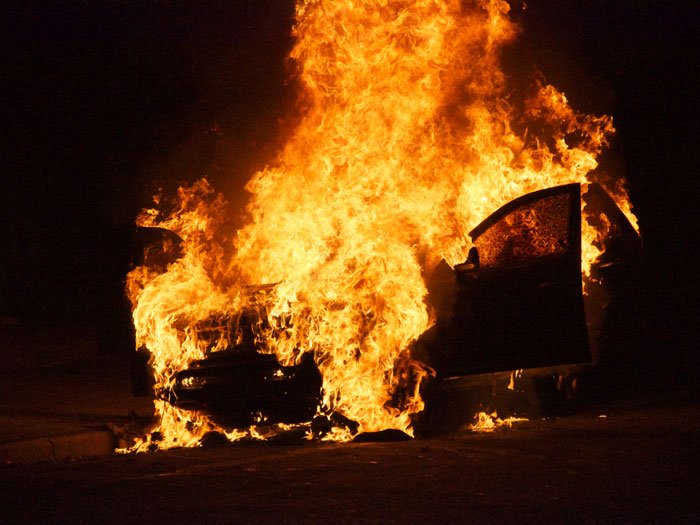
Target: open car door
[[517, 302]]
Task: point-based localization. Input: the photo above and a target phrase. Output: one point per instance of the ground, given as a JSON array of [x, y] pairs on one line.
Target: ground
[[631, 461]]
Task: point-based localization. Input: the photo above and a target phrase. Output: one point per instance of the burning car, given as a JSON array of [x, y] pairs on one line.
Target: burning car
[[514, 313]]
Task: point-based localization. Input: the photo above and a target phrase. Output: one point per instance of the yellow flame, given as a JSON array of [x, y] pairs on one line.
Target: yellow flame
[[488, 422], [408, 140]]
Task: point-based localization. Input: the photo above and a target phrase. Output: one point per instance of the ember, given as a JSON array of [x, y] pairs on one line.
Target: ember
[[407, 142]]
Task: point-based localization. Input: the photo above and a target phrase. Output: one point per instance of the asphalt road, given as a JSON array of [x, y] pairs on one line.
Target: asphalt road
[[629, 462]]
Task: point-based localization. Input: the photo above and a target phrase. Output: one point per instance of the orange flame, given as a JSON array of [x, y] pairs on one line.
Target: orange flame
[[489, 422], [407, 141]]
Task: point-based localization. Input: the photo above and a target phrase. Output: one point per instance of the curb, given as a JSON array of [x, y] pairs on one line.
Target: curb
[[58, 448]]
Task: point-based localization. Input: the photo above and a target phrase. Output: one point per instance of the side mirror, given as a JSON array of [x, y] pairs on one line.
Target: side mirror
[[472, 262]]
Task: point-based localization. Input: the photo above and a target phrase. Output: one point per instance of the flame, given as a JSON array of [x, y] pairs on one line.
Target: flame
[[485, 422], [408, 139]]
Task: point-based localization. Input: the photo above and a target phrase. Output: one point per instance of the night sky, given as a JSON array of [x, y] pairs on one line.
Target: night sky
[[102, 103]]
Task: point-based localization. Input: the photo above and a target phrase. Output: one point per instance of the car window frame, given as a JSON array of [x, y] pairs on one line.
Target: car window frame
[[573, 250]]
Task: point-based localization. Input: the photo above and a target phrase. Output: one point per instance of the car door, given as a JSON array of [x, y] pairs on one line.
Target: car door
[[517, 302]]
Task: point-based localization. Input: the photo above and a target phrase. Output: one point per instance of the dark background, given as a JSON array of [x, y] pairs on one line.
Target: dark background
[[103, 103]]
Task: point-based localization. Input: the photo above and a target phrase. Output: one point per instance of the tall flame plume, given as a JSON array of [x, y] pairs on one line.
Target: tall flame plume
[[408, 139]]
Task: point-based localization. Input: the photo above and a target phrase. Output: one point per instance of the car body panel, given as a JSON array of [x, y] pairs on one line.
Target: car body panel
[[242, 388]]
